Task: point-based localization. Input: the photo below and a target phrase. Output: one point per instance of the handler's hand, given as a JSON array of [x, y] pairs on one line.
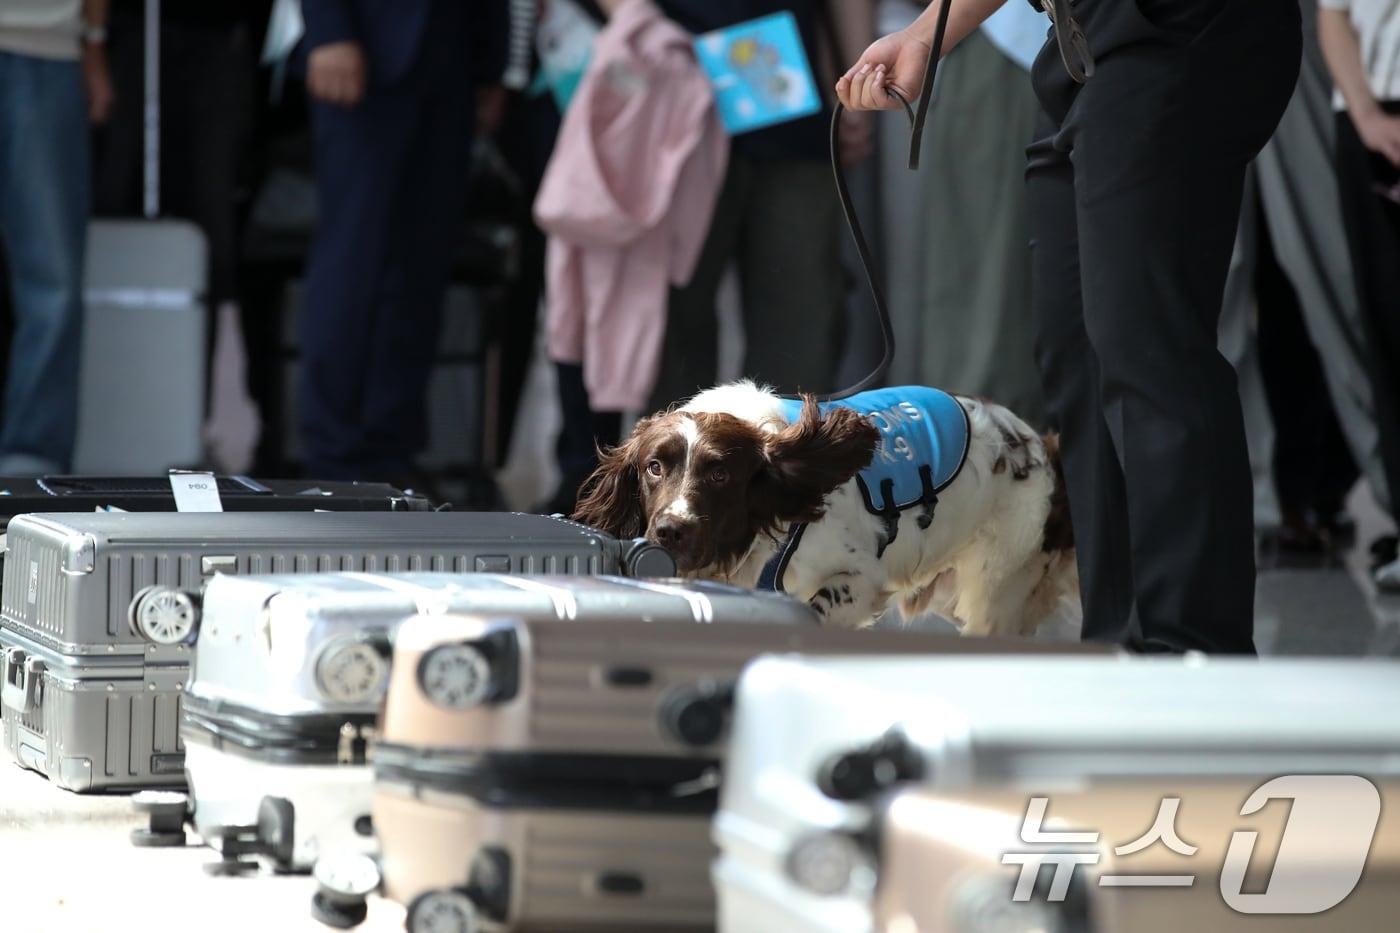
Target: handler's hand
[[336, 73], [897, 61], [1380, 132]]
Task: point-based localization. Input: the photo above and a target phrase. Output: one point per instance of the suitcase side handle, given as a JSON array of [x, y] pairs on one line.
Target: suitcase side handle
[[21, 680]]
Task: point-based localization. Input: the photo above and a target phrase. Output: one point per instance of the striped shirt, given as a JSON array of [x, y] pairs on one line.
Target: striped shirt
[[1377, 25]]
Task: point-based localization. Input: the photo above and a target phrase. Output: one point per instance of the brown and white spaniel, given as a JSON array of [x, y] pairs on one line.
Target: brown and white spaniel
[[722, 481]]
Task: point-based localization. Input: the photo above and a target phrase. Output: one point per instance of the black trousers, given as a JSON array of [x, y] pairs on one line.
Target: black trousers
[[1134, 187], [1373, 233], [1313, 466]]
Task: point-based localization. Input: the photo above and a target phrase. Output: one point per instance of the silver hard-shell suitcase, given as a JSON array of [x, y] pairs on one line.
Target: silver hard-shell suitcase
[[941, 857], [817, 742], [93, 676], [289, 673]]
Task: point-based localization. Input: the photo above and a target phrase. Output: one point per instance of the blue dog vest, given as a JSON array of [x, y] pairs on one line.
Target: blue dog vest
[[924, 435]]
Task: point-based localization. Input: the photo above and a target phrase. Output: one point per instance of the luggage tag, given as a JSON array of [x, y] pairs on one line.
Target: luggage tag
[[760, 73], [195, 491]]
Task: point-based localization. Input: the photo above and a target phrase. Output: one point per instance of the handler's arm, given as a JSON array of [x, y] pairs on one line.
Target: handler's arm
[[900, 59], [1340, 46]]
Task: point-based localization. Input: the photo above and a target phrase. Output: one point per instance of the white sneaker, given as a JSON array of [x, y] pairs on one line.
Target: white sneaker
[[1387, 577]]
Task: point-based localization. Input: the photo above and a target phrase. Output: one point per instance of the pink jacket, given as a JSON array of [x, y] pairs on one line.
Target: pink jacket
[[627, 200]]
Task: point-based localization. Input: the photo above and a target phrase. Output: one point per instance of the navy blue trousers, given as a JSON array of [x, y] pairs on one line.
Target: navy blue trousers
[[391, 178]]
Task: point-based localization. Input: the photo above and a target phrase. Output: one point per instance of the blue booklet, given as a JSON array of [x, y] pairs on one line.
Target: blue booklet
[[760, 72]]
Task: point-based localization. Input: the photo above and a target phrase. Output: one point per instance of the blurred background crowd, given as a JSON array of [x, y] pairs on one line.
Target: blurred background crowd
[[456, 244]]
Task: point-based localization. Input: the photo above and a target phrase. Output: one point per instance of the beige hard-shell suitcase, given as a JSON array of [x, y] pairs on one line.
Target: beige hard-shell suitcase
[[611, 697], [615, 859]]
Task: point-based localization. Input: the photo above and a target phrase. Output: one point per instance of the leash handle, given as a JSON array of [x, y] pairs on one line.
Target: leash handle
[[916, 116]]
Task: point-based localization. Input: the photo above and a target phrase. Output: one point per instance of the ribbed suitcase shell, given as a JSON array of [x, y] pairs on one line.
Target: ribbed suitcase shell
[[69, 580], [1037, 723], [260, 644], [940, 862], [568, 870]]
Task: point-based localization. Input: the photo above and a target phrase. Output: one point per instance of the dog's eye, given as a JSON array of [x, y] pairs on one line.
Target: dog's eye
[[719, 475], [654, 467]]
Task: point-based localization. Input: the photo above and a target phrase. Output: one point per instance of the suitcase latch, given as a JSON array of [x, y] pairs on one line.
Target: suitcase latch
[[354, 739], [211, 564]]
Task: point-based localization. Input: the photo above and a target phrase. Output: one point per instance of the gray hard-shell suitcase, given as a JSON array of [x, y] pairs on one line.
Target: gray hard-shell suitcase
[[93, 676], [289, 673], [817, 743]]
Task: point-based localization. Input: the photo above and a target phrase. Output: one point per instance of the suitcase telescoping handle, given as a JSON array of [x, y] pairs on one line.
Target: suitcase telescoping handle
[[150, 201], [21, 680]]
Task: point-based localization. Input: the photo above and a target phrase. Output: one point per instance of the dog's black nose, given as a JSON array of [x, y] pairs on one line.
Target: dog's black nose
[[672, 534]]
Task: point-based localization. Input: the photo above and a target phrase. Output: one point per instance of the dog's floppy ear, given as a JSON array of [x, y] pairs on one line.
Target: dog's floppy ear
[[610, 499], [810, 458]]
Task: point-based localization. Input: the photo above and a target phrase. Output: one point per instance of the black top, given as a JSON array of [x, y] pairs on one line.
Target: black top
[[222, 13]]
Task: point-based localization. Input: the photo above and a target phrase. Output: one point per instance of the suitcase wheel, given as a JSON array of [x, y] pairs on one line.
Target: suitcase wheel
[[166, 813], [343, 883], [163, 615], [443, 911], [340, 915], [146, 839], [352, 669], [455, 676], [827, 863]]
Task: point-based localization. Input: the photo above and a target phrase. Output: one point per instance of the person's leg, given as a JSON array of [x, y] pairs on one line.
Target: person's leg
[[1070, 376], [43, 219], [526, 140], [1297, 176], [1162, 135], [581, 432], [1312, 467], [359, 156], [690, 348], [426, 232], [1373, 232], [792, 277]]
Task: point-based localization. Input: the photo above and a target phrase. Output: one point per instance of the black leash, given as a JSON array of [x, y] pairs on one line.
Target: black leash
[[1074, 49], [917, 117]]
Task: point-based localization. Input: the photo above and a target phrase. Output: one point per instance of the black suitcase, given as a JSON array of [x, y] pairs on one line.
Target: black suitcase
[[24, 495]]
